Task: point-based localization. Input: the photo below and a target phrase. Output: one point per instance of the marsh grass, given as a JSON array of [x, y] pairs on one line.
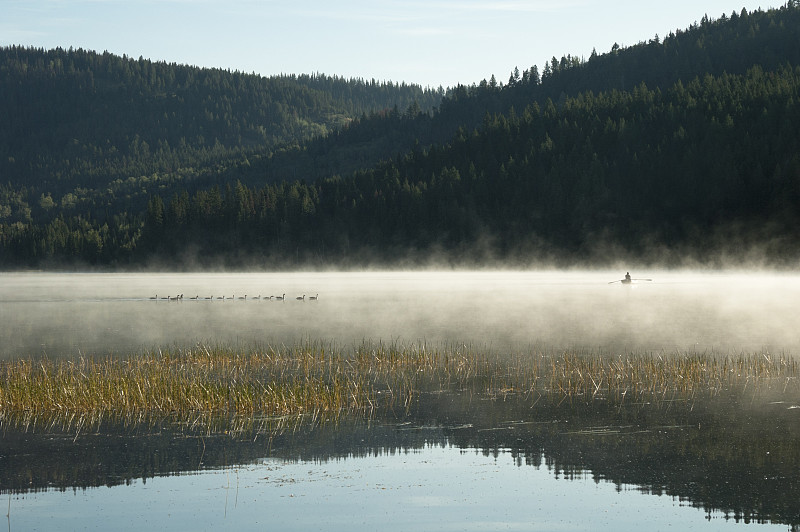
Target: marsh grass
[[202, 384], [651, 377]]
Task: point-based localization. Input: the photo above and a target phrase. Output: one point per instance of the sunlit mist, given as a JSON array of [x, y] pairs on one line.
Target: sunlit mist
[[98, 314]]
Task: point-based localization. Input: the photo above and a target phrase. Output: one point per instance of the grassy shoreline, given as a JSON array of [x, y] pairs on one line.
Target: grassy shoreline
[[321, 381]]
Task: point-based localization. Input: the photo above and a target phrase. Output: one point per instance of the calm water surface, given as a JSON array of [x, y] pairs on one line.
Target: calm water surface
[[450, 462], [68, 314], [432, 489], [475, 465]]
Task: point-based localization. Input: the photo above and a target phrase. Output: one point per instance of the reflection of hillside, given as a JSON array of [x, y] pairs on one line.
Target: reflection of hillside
[[740, 461], [737, 459]]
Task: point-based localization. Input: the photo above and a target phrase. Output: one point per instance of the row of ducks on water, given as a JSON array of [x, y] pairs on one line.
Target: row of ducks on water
[[242, 298]]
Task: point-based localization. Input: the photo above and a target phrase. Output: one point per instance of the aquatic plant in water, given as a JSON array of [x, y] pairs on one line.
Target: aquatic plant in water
[[321, 381]]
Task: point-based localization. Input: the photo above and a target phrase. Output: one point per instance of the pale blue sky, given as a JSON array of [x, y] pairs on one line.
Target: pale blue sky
[[429, 42]]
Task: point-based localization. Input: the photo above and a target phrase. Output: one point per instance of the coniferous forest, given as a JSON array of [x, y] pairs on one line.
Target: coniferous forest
[[684, 149]]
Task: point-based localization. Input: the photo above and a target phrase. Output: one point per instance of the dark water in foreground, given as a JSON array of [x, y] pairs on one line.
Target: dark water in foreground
[[451, 463]]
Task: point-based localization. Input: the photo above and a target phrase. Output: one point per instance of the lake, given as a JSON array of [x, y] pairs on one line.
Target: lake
[[97, 314], [448, 461]]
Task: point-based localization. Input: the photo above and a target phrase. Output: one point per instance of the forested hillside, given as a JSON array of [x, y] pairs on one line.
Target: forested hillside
[[101, 132], [705, 168], [675, 149]]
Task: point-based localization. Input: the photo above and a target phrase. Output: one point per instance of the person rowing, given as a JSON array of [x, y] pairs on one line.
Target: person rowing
[[628, 279]]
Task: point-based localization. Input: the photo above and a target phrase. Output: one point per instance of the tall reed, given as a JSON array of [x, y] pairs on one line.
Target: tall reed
[[319, 380], [616, 377]]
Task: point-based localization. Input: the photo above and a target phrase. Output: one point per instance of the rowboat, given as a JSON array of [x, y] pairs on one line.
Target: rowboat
[[628, 280]]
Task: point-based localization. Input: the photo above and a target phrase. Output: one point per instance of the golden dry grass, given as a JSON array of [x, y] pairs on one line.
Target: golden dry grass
[[617, 377], [314, 379]]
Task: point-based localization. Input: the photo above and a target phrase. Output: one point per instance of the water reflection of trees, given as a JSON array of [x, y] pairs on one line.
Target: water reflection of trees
[[737, 457]]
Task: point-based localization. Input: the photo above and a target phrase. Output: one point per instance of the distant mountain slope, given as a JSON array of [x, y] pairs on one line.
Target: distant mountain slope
[[701, 172], [77, 124], [731, 44]]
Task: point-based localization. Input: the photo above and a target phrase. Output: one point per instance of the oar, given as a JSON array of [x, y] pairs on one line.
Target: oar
[[612, 282], [641, 279]]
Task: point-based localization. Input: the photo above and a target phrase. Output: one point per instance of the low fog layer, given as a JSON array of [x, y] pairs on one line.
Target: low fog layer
[[97, 314]]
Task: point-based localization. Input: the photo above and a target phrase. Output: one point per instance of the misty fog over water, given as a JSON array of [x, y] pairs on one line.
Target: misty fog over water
[[66, 314]]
